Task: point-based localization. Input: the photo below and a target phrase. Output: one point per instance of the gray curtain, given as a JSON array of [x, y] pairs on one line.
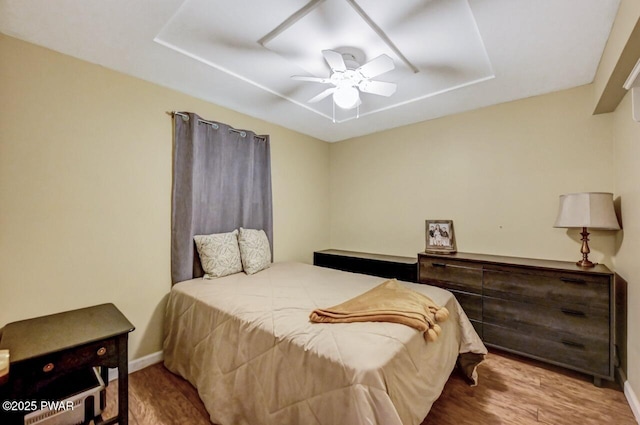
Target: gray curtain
[[221, 181]]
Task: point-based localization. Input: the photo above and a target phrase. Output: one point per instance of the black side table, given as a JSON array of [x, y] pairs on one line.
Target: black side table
[[46, 348], [389, 266]]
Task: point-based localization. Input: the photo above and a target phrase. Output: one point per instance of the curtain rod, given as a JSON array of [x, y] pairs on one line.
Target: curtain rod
[[215, 126]]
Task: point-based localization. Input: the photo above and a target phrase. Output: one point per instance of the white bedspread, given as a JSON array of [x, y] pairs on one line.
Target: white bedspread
[[247, 345]]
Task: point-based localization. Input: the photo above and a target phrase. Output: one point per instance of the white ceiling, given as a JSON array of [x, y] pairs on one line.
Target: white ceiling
[[450, 55]]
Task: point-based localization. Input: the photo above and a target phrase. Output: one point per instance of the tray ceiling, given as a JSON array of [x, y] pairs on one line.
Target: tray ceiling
[[450, 55]]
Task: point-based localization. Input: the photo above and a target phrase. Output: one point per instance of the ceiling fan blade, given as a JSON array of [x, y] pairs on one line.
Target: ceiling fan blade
[[335, 60], [376, 66], [322, 95], [381, 88], [312, 79]]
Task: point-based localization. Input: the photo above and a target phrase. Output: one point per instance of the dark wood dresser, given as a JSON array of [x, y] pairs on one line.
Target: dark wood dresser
[[389, 266], [552, 311]]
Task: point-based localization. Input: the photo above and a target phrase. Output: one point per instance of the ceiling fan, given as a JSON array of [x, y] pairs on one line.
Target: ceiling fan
[[349, 78]]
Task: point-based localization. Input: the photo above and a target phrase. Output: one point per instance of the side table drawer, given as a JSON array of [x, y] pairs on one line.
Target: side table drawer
[[32, 375]]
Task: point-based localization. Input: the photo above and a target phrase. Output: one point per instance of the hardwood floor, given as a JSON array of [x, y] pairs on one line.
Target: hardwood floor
[[512, 391]]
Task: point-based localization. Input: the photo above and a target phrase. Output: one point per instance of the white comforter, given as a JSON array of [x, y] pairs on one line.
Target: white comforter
[[246, 344]]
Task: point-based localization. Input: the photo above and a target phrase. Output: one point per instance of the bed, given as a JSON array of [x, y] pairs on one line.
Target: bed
[[246, 344]]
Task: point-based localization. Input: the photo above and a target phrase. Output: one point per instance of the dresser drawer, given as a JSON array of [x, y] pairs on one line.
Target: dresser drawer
[[451, 274], [470, 303], [573, 323], [477, 326], [564, 352], [37, 373], [548, 287]]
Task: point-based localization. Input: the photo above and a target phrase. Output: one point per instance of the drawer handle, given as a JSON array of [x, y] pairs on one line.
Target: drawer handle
[[573, 280], [101, 351], [438, 265], [572, 344], [573, 312], [48, 367]]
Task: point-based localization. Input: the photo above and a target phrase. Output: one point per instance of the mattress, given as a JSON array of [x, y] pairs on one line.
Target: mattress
[[246, 344]]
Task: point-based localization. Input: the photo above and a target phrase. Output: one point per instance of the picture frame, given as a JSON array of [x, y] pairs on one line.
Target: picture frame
[[440, 237]]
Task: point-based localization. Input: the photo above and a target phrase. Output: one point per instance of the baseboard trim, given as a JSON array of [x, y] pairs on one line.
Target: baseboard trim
[[633, 400], [138, 364]]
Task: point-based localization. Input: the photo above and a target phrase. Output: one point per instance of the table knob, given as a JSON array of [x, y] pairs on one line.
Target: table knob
[[102, 351], [48, 367]]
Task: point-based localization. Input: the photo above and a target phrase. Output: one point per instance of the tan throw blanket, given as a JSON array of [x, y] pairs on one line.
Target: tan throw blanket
[[388, 302]]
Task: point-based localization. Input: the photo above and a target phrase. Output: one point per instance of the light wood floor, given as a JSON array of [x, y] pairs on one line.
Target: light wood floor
[[512, 391]]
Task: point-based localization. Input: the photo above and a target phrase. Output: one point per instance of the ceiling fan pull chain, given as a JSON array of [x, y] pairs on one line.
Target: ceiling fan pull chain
[[334, 110]]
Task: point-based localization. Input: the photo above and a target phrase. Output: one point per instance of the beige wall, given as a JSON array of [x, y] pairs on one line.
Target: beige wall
[[626, 136], [85, 188], [496, 172]]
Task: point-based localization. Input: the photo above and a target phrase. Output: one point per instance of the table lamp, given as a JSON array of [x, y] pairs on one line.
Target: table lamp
[[587, 209]]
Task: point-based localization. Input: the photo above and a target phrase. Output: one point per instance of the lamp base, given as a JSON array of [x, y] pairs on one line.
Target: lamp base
[[585, 263], [585, 250]]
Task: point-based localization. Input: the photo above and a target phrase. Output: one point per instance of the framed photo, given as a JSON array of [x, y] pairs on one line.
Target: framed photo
[[440, 237]]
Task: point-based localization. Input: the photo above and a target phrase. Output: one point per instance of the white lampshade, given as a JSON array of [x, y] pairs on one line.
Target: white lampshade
[[588, 209]]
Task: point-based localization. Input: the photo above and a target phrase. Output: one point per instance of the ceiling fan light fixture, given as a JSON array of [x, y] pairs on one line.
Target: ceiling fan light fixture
[[346, 97], [349, 79]]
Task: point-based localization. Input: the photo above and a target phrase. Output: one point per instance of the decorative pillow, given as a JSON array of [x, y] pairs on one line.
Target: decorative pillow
[[254, 250], [219, 254]]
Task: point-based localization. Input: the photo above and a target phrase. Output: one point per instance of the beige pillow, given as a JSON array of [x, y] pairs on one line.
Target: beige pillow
[[219, 254], [254, 250]]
